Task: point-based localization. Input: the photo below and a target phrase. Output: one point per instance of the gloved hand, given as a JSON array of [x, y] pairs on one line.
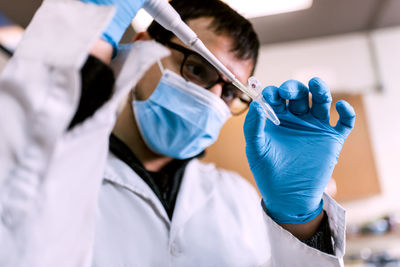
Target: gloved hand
[[126, 11], [292, 163]]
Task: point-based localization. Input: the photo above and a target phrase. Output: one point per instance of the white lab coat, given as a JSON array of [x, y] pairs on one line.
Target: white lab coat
[[50, 178], [218, 221]]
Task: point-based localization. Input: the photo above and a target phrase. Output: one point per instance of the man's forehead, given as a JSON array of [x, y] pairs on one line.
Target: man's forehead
[[202, 27], [221, 45]]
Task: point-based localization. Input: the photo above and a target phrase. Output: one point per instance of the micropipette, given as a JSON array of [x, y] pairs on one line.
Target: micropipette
[[166, 16]]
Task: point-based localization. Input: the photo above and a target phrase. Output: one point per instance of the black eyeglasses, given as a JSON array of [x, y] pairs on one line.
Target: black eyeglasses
[[196, 69]]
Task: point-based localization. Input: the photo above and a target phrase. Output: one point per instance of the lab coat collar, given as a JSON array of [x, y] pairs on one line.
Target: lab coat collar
[[119, 173], [196, 189]]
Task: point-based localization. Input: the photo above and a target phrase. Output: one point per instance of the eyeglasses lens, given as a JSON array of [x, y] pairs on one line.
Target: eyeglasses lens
[[197, 70]]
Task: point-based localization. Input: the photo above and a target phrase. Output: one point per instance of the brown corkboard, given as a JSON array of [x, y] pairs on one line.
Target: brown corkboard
[[355, 174]]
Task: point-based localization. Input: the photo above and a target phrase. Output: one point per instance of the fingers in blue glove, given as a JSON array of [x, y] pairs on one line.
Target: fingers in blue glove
[[253, 127], [321, 99], [297, 94], [347, 118], [271, 95]]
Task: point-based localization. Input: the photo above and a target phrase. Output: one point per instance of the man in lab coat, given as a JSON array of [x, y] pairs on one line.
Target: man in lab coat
[[192, 214], [157, 204]]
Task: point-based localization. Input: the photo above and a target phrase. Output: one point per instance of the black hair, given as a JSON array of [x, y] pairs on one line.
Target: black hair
[[224, 21]]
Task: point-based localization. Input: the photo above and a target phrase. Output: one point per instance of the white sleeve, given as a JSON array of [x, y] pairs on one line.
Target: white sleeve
[[40, 86], [287, 250], [50, 177], [39, 93]]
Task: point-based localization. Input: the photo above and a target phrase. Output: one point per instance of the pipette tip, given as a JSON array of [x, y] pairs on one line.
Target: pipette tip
[[256, 88]]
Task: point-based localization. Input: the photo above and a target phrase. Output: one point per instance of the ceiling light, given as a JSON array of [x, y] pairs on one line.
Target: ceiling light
[[261, 8]]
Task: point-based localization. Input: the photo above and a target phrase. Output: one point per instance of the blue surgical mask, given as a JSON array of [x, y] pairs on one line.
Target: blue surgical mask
[[180, 119]]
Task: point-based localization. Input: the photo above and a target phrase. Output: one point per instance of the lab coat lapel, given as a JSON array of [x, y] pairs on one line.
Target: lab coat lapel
[[196, 189], [121, 174]]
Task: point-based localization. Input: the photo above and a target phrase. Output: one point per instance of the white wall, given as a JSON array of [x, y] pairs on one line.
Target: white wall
[[384, 119], [345, 63], [342, 61]]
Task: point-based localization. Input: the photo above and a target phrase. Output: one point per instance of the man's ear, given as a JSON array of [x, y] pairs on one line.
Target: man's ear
[[142, 36]]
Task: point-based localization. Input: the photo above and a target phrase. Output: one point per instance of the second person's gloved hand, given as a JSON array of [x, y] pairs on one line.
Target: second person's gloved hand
[[292, 163], [125, 11]]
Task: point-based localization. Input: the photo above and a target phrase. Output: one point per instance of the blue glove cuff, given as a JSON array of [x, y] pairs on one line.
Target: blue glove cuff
[[125, 11], [293, 218], [109, 39]]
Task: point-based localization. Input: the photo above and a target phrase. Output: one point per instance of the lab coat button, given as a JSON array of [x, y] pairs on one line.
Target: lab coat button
[[174, 249], [8, 218]]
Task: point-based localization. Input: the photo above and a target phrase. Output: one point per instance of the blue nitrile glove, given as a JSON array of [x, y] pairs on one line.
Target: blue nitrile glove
[[126, 11], [292, 163]]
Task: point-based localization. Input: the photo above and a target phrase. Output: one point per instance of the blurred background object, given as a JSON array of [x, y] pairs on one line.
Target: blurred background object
[[354, 45], [10, 35]]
